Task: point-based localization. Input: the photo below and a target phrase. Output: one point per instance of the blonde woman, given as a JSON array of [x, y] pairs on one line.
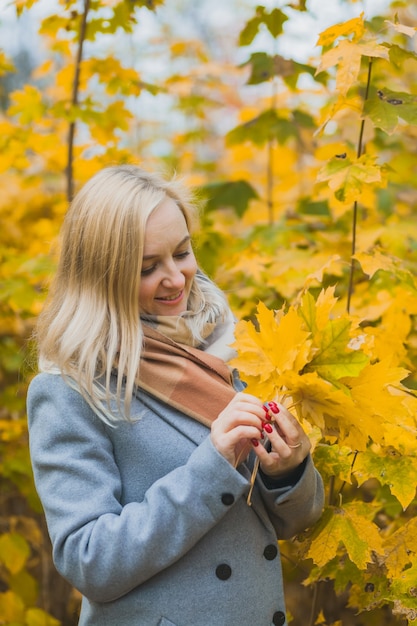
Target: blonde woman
[[143, 440]]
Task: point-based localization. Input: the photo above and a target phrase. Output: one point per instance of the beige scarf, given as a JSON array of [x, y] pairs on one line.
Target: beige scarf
[[196, 382]]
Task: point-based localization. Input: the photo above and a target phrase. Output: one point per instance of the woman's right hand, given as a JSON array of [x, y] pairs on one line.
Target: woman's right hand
[[235, 427]]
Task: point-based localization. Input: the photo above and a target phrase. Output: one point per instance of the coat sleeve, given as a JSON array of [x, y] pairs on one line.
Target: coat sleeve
[[291, 507], [103, 548], [297, 506]]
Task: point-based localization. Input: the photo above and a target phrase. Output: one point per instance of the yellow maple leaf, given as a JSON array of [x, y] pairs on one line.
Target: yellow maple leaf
[[400, 547], [348, 526], [387, 342], [27, 104], [410, 31], [331, 265], [5, 64], [349, 180], [377, 260], [344, 105], [252, 264], [23, 4], [280, 344], [12, 608], [316, 313], [355, 26], [347, 56], [371, 390], [328, 407]]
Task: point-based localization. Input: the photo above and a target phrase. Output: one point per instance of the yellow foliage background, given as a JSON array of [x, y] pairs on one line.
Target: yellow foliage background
[[309, 225]]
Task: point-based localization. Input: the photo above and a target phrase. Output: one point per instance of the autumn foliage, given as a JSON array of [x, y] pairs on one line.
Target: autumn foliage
[[309, 224]]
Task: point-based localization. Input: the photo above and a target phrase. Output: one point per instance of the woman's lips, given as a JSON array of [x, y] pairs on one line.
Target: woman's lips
[[171, 299]]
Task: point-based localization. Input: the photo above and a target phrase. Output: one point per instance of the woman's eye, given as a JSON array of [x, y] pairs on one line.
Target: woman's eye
[[182, 255], [148, 270]]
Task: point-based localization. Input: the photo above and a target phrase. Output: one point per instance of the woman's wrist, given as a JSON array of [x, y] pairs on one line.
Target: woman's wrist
[[289, 479]]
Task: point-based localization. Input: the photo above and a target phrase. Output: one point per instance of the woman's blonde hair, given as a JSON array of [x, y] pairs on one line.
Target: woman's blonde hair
[[91, 319]]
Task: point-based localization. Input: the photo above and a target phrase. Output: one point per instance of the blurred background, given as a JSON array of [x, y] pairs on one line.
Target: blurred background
[[295, 124]]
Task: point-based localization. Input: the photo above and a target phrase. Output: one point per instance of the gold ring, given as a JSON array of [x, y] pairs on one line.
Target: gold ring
[[296, 446]]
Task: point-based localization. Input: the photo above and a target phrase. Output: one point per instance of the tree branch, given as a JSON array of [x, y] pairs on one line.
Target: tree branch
[[74, 101], [355, 205]]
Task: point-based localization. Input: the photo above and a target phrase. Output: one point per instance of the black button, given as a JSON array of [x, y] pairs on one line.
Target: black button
[[223, 571], [228, 498], [278, 618], [270, 552]]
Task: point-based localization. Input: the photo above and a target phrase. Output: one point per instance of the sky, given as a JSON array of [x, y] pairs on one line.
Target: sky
[[216, 22], [300, 38]]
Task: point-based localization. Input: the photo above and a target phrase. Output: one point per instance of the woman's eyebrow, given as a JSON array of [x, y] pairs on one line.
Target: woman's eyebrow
[[147, 257]]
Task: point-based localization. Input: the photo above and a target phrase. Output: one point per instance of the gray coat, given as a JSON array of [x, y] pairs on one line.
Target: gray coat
[[150, 523]]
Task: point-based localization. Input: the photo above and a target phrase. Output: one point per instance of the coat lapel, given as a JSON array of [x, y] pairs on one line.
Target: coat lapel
[[187, 426]]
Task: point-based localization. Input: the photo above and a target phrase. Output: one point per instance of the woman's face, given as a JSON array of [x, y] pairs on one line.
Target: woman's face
[[168, 265]]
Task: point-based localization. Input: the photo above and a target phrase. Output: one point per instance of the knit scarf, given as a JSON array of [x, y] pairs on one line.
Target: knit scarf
[[197, 382]]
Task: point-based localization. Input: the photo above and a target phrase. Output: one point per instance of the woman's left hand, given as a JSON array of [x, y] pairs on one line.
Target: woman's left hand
[[289, 443]]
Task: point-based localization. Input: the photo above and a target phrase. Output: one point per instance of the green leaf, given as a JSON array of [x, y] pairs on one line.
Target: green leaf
[[14, 551], [235, 194], [348, 178], [334, 360], [307, 206], [333, 460], [398, 55], [303, 119], [149, 4], [264, 67], [387, 107], [291, 79], [274, 22], [25, 586], [267, 126], [250, 31], [389, 467]]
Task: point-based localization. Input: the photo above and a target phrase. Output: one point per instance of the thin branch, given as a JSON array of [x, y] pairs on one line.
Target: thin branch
[[314, 605], [270, 182], [271, 142], [355, 205], [74, 100]]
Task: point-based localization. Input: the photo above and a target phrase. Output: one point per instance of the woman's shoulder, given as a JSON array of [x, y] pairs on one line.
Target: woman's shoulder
[[54, 388], [48, 381], [52, 399]]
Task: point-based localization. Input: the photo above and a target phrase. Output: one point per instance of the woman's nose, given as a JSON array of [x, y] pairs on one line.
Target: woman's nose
[[174, 277]]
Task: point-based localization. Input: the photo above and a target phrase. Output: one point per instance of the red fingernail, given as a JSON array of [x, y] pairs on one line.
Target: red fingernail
[[273, 407], [265, 408], [255, 442], [268, 428]]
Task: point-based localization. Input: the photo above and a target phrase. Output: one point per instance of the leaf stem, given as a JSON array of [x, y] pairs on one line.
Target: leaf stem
[[74, 101], [355, 204], [314, 605], [351, 469]]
